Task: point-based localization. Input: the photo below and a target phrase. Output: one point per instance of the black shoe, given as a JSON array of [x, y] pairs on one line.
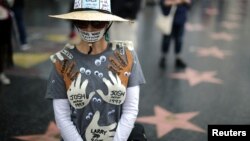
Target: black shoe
[[180, 64], [162, 63]]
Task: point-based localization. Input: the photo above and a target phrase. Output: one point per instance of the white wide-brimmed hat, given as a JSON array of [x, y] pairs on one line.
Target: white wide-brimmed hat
[[91, 10]]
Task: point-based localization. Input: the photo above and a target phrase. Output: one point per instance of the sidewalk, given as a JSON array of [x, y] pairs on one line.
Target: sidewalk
[[213, 90]]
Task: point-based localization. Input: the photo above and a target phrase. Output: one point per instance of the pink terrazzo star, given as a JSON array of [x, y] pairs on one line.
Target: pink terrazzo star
[[52, 134], [194, 27], [194, 77], [166, 121], [222, 36], [229, 25], [211, 11], [213, 52], [234, 17]]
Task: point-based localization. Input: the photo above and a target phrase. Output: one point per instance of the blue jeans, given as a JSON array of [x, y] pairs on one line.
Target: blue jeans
[[18, 11], [177, 35]]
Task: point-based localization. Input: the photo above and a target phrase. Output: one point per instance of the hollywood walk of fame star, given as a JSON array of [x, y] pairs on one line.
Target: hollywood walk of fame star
[[194, 27], [194, 77], [222, 36], [212, 51], [52, 134], [234, 17], [230, 25], [166, 121], [211, 11]]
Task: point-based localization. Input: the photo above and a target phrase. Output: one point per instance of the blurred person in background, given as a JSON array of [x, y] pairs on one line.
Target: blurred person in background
[[73, 34], [18, 8], [178, 29], [128, 9], [95, 84], [5, 38]]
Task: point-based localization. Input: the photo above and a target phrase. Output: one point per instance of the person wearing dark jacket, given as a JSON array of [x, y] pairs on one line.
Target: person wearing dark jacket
[[177, 33], [127, 9], [5, 39]]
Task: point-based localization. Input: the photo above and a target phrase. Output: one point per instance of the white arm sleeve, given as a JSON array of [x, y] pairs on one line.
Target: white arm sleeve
[[63, 121], [129, 114]]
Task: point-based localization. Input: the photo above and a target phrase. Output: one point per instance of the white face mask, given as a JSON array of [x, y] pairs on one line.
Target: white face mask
[[91, 37]]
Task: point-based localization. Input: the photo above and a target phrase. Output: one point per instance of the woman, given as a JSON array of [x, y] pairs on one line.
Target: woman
[[178, 29], [95, 84]]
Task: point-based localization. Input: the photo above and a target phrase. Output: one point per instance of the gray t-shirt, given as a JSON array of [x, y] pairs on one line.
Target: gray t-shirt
[[95, 86]]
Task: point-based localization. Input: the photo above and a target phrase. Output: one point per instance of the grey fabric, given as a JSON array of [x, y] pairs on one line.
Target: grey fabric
[[55, 86], [136, 77]]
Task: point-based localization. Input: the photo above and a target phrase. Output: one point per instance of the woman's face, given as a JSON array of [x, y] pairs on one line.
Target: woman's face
[[91, 26]]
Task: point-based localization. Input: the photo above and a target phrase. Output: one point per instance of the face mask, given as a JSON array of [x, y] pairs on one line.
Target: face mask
[[91, 37]]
